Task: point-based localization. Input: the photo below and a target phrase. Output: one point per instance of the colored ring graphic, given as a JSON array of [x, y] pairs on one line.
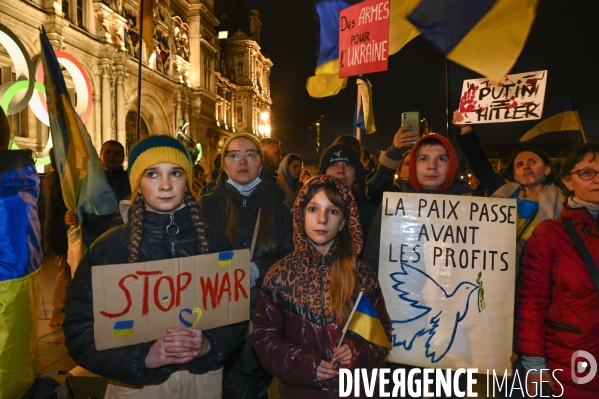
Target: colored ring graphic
[[16, 95], [23, 70], [82, 87], [13, 98]]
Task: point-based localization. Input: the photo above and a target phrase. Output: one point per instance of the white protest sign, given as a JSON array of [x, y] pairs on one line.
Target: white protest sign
[[518, 97], [447, 272], [137, 302]]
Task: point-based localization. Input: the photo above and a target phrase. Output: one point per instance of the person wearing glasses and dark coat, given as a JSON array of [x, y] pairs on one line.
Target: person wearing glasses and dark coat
[[245, 190], [558, 298]]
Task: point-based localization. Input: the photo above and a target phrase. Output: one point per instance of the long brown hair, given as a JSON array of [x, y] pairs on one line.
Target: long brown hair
[[344, 271], [266, 239]]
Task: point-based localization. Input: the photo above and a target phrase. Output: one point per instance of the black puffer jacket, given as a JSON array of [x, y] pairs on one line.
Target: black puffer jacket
[[127, 364], [213, 212]]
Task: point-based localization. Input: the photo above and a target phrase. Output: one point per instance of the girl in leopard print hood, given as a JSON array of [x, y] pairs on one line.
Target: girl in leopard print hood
[[308, 296]]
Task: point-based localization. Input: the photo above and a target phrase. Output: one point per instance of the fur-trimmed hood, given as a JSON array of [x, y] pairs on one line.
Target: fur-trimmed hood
[[351, 214]]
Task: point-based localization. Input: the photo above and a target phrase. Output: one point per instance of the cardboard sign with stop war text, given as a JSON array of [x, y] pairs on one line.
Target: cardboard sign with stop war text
[[137, 302]]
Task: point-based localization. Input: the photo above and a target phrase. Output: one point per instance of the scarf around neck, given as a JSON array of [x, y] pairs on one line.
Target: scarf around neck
[[574, 202], [245, 189]]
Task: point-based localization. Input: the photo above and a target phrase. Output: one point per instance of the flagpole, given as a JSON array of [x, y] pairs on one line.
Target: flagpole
[[351, 315], [584, 137], [356, 110], [447, 98], [141, 29]]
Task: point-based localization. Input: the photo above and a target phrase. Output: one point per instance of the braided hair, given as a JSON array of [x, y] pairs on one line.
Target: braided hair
[[137, 217], [137, 222], [197, 222]]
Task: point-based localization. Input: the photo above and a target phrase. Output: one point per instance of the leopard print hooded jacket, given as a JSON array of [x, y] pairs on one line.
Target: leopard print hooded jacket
[[291, 336]]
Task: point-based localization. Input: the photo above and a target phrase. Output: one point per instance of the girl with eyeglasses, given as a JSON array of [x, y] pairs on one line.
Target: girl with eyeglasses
[[244, 192], [558, 298]]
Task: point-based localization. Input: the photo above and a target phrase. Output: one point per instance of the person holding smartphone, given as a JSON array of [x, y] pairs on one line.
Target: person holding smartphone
[[381, 178]]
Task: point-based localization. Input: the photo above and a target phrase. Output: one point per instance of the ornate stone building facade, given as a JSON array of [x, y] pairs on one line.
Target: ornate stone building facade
[[219, 86]]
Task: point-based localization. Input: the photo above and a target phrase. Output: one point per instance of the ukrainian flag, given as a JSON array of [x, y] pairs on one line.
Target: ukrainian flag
[[325, 81], [563, 117], [225, 258], [20, 262], [82, 177], [123, 328], [366, 324], [486, 36]]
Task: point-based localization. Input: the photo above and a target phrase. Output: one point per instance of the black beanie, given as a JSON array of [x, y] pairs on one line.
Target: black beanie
[[339, 153]]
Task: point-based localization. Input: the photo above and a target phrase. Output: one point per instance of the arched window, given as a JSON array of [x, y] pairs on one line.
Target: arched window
[[131, 128]]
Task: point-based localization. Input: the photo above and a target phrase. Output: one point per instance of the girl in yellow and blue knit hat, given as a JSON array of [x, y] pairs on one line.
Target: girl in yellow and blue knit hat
[[165, 224]]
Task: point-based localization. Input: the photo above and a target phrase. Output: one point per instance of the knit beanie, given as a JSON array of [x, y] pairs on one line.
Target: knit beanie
[[250, 137], [453, 161], [154, 150], [339, 153]]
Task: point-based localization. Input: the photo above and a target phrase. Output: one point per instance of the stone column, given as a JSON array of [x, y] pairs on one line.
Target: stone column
[[121, 129], [195, 47], [106, 70], [186, 108], [119, 92], [178, 112]]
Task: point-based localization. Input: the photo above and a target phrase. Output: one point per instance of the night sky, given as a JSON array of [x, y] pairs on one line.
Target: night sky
[[564, 40]]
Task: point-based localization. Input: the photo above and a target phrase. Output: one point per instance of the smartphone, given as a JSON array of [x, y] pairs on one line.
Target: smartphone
[[411, 119]]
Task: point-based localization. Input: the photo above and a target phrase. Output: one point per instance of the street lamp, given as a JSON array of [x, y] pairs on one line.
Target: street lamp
[[264, 127]]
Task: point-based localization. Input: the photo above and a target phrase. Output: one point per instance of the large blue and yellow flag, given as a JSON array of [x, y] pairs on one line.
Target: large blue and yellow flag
[[325, 81], [366, 323], [20, 262], [562, 117], [82, 177], [486, 36]]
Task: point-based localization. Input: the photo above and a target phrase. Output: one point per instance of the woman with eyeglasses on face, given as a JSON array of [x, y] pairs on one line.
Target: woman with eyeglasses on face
[[529, 178], [244, 188], [558, 296]]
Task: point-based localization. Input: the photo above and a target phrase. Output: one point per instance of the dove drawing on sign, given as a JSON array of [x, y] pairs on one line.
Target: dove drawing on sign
[[430, 312]]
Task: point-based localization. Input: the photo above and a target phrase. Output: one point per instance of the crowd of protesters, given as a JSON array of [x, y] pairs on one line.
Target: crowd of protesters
[[314, 248]]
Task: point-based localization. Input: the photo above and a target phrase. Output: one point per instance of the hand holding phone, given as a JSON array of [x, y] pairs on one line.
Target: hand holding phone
[[404, 138], [411, 120]]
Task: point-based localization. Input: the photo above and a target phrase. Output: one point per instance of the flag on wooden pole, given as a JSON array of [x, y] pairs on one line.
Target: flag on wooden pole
[[82, 177]]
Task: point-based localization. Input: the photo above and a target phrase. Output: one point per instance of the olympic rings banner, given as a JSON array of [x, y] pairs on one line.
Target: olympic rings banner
[[29, 89]]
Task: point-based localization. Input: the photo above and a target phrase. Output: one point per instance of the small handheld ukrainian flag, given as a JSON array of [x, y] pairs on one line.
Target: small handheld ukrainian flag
[[364, 321]]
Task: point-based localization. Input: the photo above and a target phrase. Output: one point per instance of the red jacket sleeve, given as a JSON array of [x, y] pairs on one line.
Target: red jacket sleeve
[[534, 293], [293, 364]]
